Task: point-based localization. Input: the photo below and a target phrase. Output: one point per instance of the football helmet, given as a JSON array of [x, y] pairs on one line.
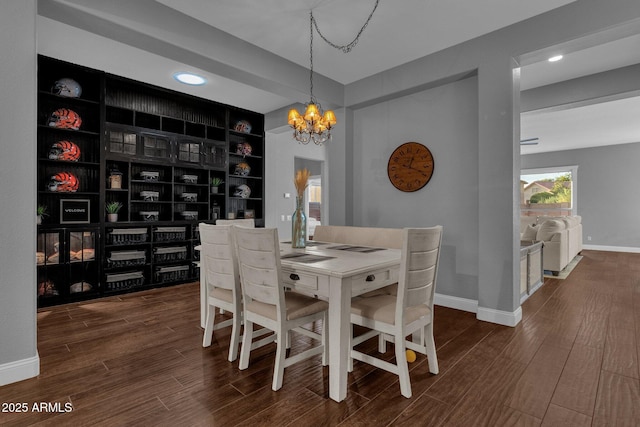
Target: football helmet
[[67, 88], [64, 182], [64, 118], [242, 126], [242, 191], [244, 148], [242, 169], [64, 150]]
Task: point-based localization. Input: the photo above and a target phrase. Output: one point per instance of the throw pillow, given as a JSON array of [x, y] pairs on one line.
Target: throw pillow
[[530, 233], [548, 229]]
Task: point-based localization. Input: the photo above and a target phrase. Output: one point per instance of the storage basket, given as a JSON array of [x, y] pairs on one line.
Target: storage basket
[[121, 281], [150, 216], [172, 274], [119, 259], [189, 215], [189, 197], [149, 176], [127, 236], [170, 254], [170, 234], [189, 179], [150, 196]]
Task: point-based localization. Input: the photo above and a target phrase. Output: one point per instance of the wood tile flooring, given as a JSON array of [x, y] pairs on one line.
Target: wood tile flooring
[[137, 360]]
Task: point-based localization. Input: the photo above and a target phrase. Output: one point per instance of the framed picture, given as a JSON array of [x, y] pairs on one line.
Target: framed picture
[[249, 213], [215, 212], [75, 211]]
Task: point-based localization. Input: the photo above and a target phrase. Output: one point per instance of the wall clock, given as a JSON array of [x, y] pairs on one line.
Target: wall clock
[[410, 166]]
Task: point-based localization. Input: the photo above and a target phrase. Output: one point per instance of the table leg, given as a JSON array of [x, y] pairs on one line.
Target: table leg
[[339, 330]]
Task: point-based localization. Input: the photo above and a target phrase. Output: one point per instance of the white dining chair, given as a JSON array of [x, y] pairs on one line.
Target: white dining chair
[[267, 304], [218, 259], [243, 222], [410, 312]]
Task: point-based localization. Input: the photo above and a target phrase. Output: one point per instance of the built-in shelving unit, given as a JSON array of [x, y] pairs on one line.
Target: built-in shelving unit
[[156, 152]]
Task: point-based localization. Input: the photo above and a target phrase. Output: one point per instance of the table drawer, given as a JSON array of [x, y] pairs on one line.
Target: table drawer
[[300, 280], [374, 280]]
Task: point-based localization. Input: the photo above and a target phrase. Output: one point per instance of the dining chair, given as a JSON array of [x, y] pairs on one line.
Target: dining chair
[[410, 312], [267, 304], [243, 222], [218, 259]]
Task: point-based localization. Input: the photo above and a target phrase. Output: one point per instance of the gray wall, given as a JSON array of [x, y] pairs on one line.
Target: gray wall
[[445, 120], [18, 353], [607, 188]]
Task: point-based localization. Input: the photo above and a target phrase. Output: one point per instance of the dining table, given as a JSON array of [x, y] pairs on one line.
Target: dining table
[[336, 273]]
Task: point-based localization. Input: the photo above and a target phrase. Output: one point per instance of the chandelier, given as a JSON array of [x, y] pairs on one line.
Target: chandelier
[[315, 124]]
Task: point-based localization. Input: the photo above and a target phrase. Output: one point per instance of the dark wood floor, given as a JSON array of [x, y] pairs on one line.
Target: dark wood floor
[[137, 360]]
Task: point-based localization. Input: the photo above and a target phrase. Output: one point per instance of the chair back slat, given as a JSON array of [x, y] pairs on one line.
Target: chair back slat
[[419, 267], [218, 256], [259, 260]]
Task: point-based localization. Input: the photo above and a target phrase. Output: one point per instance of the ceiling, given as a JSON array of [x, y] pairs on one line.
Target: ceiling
[[399, 32], [395, 36]]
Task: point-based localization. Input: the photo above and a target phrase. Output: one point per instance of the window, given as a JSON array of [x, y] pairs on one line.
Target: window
[[548, 191]]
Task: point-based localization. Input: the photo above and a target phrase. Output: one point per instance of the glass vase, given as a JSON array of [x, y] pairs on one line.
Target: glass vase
[[299, 226]]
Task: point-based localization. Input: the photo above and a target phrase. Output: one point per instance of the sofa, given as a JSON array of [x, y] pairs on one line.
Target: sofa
[[561, 237]]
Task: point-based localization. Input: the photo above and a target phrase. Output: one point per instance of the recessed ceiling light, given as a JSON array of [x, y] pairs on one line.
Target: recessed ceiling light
[[555, 58], [190, 79]]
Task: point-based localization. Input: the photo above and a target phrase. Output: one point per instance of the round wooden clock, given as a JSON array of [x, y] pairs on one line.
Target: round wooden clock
[[410, 166]]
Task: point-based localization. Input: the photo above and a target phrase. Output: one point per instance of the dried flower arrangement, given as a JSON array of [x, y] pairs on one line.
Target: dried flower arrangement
[[301, 181]]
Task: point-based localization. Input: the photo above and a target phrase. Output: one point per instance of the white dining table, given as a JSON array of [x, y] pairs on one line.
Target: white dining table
[[336, 273]]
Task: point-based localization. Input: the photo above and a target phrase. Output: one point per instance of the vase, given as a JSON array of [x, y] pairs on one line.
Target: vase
[[299, 225], [112, 217]]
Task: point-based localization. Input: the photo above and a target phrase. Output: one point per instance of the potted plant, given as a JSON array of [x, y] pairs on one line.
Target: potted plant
[[112, 211], [41, 212], [215, 183]]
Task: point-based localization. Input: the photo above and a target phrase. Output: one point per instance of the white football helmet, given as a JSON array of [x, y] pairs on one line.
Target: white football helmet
[[242, 191], [67, 88]]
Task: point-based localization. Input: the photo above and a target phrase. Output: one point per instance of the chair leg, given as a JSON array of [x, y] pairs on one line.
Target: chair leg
[[350, 348], [246, 345], [208, 326], [325, 340], [403, 367], [235, 338], [382, 343], [431, 349], [281, 353]]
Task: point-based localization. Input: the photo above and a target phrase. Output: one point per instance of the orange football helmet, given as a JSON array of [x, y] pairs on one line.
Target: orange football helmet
[[64, 182], [64, 150], [64, 118]]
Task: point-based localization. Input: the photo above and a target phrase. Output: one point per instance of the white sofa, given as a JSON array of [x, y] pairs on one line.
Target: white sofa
[[561, 236]]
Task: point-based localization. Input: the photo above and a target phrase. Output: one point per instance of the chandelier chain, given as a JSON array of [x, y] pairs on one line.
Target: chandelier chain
[[347, 47]]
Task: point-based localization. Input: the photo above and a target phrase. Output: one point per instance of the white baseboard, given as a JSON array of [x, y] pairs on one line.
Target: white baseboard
[[611, 248], [500, 317], [486, 314], [19, 370], [457, 303]]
